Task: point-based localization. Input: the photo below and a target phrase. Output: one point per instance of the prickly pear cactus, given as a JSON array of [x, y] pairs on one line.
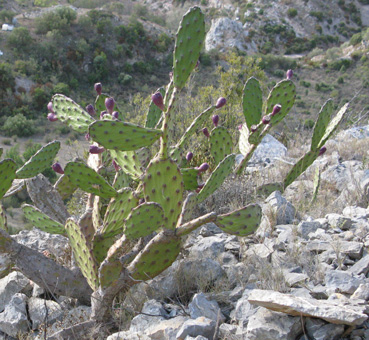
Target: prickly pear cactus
[[3, 219], [7, 174], [189, 40], [252, 102], [220, 143], [40, 161]]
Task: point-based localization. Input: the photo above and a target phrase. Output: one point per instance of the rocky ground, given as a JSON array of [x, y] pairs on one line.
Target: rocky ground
[[297, 278]]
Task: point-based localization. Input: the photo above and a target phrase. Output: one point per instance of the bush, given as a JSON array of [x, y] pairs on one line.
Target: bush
[[60, 20], [356, 39], [308, 124], [19, 125], [292, 12], [124, 78]]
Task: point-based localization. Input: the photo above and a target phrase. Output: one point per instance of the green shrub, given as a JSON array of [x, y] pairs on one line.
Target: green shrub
[[305, 83], [19, 125], [340, 80], [317, 14], [124, 78], [292, 12], [356, 39], [308, 124], [61, 88]]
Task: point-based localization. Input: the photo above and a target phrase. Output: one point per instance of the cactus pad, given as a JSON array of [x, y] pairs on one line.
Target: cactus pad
[[217, 177], [266, 189], [316, 184], [7, 175], [321, 123], [154, 113], [1, 151], [189, 41], [284, 93], [100, 103], [196, 124], [163, 184], [101, 245], [111, 267], [158, 255], [71, 113], [302, 164], [190, 178], [83, 253], [220, 143], [252, 102], [3, 220], [40, 161], [240, 222], [332, 126], [42, 221], [188, 208], [86, 225], [65, 187], [122, 136], [88, 180], [144, 155], [121, 180], [243, 142], [128, 161], [143, 220], [119, 208]]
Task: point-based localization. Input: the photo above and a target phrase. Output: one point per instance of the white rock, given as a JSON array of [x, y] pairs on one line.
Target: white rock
[[43, 312], [201, 306]]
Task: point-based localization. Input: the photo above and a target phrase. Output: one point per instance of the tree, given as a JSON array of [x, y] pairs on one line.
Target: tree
[[20, 39]]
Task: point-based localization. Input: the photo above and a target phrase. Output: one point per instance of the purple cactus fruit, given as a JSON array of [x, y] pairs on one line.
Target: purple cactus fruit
[[277, 108], [157, 99], [94, 149], [289, 74], [322, 151], [189, 156], [50, 107], [58, 168], [266, 120], [215, 120], [115, 114], [220, 102], [98, 88], [203, 167], [199, 187], [205, 131], [102, 114], [253, 128], [115, 165], [91, 110], [109, 104], [52, 117]]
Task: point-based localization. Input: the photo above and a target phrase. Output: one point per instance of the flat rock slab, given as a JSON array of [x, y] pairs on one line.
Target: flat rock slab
[[297, 306]]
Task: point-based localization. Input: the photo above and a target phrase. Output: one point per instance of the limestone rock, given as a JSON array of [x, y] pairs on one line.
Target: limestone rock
[[201, 306], [200, 326], [330, 311], [43, 312]]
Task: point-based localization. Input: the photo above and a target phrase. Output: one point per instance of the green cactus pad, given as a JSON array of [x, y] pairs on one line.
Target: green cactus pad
[[316, 184], [42, 221], [128, 161], [121, 180], [100, 103], [240, 222], [243, 143], [190, 178], [118, 209], [71, 113], [3, 220], [188, 208], [86, 225], [154, 113], [144, 155], [163, 184], [88, 180], [189, 41], [217, 177], [158, 255], [252, 102], [40, 161], [321, 123], [302, 164], [143, 220], [101, 245], [332, 126], [220, 143], [197, 124], [284, 93], [17, 186], [122, 136], [1, 151], [266, 189], [97, 207], [83, 253], [7, 175], [65, 187], [110, 271]]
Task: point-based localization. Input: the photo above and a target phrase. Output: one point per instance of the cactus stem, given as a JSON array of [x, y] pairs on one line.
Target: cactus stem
[[186, 228]]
